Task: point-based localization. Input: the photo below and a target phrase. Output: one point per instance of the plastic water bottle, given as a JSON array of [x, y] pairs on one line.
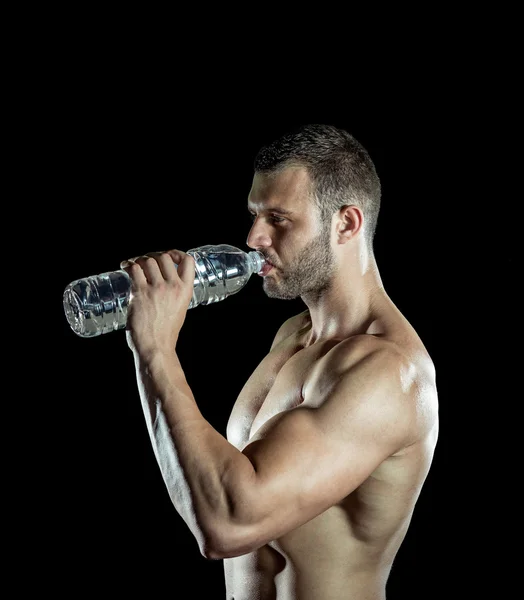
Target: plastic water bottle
[[99, 304]]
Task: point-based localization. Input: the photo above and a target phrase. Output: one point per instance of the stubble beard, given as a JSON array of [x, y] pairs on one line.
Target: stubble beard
[[309, 275]]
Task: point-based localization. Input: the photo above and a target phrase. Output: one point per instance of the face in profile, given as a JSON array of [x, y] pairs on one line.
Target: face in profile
[[299, 245]]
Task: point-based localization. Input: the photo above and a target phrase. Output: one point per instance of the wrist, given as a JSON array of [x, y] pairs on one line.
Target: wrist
[[150, 352], [162, 366]]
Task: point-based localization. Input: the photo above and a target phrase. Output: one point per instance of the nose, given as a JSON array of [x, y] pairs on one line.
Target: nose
[[258, 236]]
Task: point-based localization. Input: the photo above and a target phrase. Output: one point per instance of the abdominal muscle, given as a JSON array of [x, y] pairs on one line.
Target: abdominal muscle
[[329, 558]]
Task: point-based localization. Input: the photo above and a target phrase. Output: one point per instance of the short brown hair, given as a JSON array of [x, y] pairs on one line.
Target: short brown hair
[[340, 169]]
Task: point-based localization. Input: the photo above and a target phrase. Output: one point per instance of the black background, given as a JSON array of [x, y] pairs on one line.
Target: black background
[[128, 158]]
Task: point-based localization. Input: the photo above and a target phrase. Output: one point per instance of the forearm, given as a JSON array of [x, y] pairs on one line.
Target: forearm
[[204, 474]]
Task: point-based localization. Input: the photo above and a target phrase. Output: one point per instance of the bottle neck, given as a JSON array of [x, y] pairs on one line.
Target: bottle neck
[[257, 261]]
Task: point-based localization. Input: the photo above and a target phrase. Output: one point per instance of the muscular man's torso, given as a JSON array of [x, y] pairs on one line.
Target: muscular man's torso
[[346, 552]]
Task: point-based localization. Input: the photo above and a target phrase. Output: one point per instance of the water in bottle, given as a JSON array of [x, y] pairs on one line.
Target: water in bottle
[[99, 304]]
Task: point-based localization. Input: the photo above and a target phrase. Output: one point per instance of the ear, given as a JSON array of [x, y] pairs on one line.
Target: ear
[[350, 222]]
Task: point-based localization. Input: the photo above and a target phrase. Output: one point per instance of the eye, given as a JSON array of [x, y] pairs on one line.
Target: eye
[[272, 218]]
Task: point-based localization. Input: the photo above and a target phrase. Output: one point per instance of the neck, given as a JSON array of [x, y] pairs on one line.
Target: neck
[[351, 303]]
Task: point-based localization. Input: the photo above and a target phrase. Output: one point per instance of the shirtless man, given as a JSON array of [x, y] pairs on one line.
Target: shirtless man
[[331, 438]]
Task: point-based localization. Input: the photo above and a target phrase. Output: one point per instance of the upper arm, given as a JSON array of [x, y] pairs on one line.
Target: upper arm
[[308, 459]]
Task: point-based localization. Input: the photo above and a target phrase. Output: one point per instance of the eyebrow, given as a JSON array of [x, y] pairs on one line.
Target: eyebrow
[[275, 209]]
